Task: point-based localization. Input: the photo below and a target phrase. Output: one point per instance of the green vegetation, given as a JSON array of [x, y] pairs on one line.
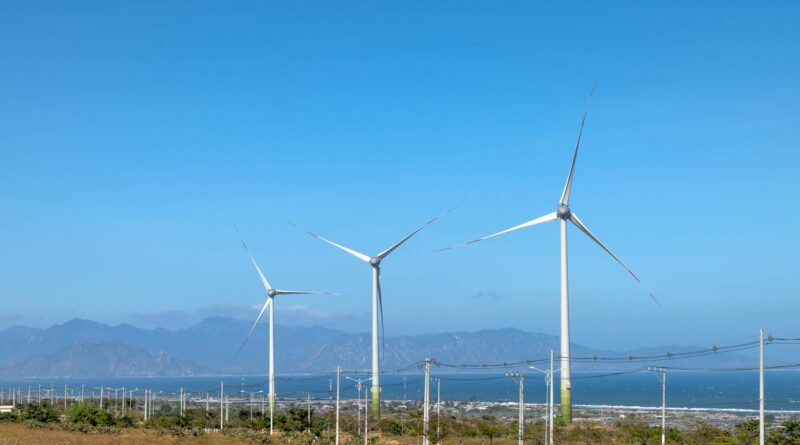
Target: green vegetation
[[298, 425], [85, 414], [38, 413]]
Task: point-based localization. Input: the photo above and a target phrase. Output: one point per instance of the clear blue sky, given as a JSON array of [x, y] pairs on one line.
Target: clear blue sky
[[135, 135]]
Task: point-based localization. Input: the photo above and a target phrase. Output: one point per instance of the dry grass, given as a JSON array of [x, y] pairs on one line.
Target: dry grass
[[16, 434]]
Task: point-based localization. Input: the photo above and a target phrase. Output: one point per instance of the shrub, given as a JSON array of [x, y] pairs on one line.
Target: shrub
[[787, 434], [248, 435], [90, 415], [124, 422], [38, 413], [9, 417], [391, 427], [34, 424], [168, 421]]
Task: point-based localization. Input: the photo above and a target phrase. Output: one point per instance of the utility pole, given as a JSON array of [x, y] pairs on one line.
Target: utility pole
[[438, 409], [337, 406], [520, 379], [221, 407], [552, 405], [547, 378], [663, 406], [663, 378], [366, 418], [761, 428], [358, 407], [358, 388], [426, 403]]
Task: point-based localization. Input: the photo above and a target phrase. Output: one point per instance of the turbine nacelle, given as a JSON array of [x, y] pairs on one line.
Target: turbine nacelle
[[272, 293], [563, 212], [375, 261]]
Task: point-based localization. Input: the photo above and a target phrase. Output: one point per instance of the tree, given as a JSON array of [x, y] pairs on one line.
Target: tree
[[787, 434], [490, 427], [746, 432]]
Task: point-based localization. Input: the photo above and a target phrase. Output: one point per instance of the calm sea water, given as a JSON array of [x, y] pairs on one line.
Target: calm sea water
[[716, 390]]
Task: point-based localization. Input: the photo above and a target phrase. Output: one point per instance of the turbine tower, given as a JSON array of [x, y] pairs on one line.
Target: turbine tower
[[565, 214], [377, 300], [269, 304]]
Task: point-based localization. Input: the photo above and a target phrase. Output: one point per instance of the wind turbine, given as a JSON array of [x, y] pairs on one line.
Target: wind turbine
[[269, 304], [564, 214], [377, 299]]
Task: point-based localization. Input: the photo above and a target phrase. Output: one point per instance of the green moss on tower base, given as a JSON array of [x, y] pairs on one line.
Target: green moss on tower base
[[566, 401]]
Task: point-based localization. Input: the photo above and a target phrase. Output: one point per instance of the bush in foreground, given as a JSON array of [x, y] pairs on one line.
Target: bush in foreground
[[89, 415], [38, 413]]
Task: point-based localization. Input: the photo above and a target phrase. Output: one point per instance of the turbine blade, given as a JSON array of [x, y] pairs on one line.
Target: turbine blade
[[568, 185], [304, 292], [579, 224], [542, 219], [260, 315], [264, 281], [386, 252], [358, 255]]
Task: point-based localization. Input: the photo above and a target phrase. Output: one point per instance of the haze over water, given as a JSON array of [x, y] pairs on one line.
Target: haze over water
[[713, 390]]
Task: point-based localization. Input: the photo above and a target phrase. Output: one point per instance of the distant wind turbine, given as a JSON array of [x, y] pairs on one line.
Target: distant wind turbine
[[377, 299], [563, 213], [269, 304]]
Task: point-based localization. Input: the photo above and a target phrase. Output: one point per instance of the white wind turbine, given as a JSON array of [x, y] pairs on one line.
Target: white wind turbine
[[377, 300], [563, 213], [269, 304]]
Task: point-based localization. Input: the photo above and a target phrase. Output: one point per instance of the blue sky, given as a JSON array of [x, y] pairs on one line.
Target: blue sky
[[135, 135]]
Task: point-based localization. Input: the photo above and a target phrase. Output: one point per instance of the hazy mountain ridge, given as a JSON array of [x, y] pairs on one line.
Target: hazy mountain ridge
[[209, 347], [107, 359]]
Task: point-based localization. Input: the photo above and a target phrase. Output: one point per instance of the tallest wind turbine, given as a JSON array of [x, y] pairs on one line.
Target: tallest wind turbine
[[377, 300], [563, 214]]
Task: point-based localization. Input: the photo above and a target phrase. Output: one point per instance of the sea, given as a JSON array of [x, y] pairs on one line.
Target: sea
[[691, 390]]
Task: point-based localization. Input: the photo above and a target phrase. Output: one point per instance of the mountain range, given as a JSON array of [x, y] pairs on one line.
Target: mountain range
[[83, 348]]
